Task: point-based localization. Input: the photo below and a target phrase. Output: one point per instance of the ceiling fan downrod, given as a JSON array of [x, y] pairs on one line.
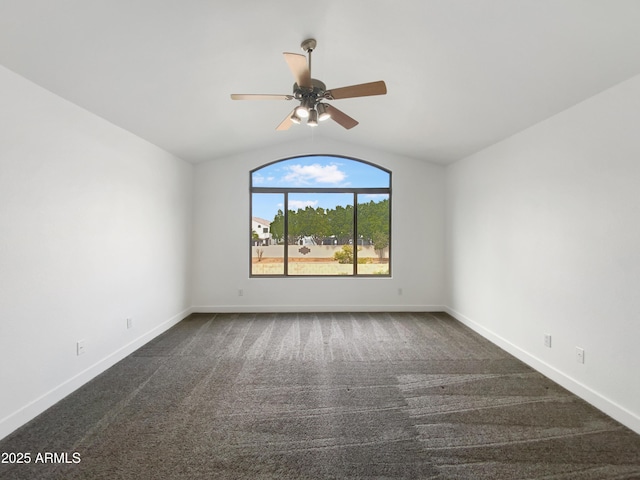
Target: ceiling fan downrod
[[309, 46]]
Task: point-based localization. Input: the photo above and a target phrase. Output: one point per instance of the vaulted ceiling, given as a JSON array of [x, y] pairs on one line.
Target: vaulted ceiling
[[461, 74]]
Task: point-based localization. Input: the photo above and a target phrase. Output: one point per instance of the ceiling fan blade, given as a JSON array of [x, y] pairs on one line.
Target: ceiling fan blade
[[340, 117], [286, 123], [362, 90], [300, 69], [251, 96]]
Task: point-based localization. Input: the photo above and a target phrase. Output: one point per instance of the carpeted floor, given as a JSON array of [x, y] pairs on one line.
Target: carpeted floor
[[323, 396]]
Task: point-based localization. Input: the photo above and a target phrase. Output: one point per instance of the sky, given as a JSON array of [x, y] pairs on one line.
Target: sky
[[314, 172]]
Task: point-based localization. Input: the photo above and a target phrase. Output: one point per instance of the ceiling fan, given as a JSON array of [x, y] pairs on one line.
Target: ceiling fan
[[312, 93]]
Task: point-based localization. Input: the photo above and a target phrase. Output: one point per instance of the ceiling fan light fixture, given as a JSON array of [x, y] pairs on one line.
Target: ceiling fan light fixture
[[313, 118], [306, 104], [295, 118], [323, 112], [302, 111]]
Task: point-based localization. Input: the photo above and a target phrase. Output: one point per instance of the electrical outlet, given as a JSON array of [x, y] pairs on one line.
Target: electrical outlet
[[579, 355], [129, 323], [80, 347], [240, 292], [547, 340], [399, 291]]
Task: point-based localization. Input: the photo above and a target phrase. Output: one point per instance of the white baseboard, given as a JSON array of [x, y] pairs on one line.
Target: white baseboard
[[602, 403], [314, 308], [34, 408]]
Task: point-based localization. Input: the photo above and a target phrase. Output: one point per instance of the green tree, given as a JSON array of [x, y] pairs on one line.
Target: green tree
[[373, 223], [294, 226], [318, 224], [308, 222], [277, 227], [380, 242], [340, 223]]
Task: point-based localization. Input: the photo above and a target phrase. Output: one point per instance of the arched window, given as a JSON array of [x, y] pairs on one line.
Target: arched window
[[320, 215]]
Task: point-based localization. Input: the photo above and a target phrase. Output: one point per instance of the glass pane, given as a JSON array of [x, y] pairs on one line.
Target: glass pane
[[320, 228], [267, 234], [373, 234], [320, 172]]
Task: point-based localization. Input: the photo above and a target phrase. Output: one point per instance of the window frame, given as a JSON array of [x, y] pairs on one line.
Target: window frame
[[285, 191]]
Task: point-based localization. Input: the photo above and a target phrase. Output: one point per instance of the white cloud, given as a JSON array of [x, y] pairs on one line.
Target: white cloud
[[316, 173], [296, 204], [260, 179]]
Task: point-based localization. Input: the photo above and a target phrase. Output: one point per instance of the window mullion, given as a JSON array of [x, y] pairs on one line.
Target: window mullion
[[286, 234], [354, 235]]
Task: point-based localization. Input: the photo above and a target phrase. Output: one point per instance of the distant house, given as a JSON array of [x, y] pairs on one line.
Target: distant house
[[260, 227]]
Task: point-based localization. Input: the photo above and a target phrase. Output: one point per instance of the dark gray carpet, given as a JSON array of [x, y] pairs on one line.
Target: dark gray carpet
[[315, 396]]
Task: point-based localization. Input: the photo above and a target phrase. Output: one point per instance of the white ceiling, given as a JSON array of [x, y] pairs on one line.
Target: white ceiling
[[461, 74]]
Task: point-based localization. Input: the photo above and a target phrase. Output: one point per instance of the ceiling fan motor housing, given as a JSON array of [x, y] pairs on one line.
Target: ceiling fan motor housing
[[316, 91], [309, 97]]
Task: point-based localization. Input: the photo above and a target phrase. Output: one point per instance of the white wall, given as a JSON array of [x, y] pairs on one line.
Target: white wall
[[221, 253], [95, 227], [544, 237]]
